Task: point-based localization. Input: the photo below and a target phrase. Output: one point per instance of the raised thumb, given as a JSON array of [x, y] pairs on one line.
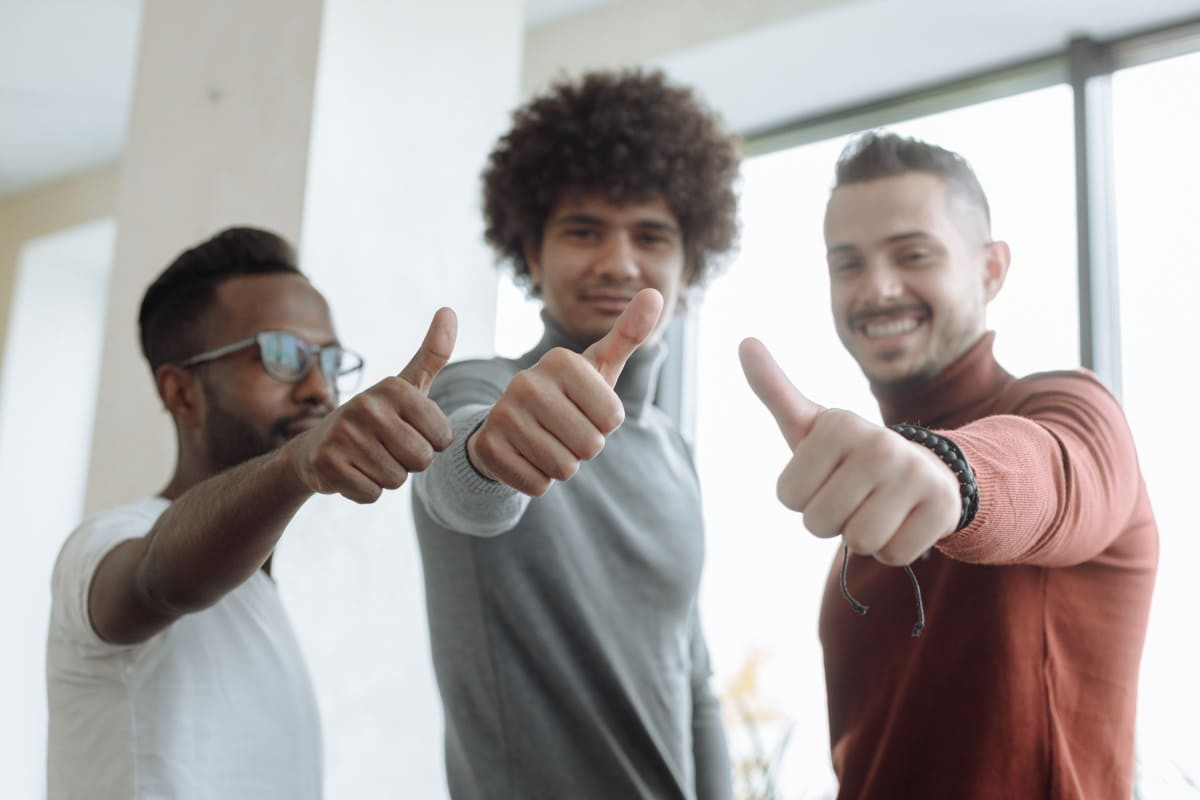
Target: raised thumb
[[794, 413], [633, 327], [435, 350]]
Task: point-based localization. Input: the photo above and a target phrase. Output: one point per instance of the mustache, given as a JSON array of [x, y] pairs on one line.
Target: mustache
[[866, 315], [279, 428]]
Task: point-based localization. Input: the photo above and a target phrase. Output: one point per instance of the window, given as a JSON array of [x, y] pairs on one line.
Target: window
[[765, 574], [1157, 170]]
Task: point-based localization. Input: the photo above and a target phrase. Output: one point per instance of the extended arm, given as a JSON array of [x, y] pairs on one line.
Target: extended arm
[[208, 542], [1057, 483], [514, 436], [216, 534]]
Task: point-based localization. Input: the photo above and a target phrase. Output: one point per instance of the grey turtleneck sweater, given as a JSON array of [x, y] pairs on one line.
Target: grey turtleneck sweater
[[565, 633]]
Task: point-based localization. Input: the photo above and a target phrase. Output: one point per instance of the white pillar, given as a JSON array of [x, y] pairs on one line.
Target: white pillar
[[357, 128], [410, 98], [218, 134]]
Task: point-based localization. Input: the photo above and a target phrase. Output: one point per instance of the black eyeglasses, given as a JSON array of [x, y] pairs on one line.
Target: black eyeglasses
[[288, 358]]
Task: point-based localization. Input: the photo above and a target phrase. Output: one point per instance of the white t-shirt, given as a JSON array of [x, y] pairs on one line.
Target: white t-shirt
[[218, 706]]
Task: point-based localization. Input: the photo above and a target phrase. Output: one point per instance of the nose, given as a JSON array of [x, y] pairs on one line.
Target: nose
[[316, 388], [882, 281], [619, 259]]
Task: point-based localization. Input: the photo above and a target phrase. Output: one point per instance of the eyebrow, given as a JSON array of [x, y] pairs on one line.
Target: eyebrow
[[580, 218], [896, 238]]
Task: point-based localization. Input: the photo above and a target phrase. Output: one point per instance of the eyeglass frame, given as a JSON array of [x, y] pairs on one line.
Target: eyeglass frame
[[311, 351]]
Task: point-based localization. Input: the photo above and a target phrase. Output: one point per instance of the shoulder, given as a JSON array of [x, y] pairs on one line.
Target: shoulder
[[103, 531], [1074, 385], [1077, 398], [82, 553]]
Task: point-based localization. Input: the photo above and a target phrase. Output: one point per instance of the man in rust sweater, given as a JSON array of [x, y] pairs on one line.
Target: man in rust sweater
[[1017, 504]]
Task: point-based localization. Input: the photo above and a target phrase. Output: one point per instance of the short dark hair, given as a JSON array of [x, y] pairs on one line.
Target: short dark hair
[[878, 154], [174, 309], [628, 135]]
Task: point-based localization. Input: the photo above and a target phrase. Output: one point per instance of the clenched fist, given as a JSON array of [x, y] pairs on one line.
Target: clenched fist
[[555, 415], [887, 497], [374, 440]]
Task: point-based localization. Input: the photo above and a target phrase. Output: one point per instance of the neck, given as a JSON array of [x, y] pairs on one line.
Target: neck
[[942, 400], [188, 472]]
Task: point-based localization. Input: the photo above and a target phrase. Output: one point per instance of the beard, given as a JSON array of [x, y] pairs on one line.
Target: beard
[[232, 440]]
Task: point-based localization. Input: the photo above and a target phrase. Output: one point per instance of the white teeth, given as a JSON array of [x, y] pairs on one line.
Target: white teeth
[[884, 330]]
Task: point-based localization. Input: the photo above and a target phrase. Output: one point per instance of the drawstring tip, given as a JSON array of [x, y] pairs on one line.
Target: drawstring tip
[[860, 609]]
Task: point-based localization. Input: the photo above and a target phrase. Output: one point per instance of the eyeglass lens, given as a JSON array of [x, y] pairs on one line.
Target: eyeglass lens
[[287, 357]]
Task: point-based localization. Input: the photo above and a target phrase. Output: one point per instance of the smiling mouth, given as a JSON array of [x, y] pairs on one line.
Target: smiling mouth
[[890, 328], [880, 325]]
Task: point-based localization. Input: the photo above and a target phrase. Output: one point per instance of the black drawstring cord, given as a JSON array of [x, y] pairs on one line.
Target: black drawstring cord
[[855, 606], [920, 626], [860, 609]]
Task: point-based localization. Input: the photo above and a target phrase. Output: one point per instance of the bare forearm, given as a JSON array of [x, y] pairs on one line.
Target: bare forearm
[[218, 533], [209, 541]]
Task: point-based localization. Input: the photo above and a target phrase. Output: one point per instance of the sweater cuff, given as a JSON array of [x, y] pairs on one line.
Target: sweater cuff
[[457, 497], [967, 544], [464, 476]]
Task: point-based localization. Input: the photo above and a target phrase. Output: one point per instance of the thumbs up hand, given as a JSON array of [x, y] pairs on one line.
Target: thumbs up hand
[[374, 440], [888, 497], [557, 414]]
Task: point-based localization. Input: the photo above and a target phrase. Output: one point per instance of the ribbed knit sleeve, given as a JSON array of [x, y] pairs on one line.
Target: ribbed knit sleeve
[[453, 493], [1057, 472]]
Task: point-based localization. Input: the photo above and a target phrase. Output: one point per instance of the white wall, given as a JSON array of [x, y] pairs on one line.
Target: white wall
[[51, 370]]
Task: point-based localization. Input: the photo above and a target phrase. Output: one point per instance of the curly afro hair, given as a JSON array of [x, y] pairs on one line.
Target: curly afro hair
[[628, 135]]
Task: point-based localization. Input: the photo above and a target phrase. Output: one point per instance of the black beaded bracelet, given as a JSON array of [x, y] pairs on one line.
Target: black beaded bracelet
[[953, 457]]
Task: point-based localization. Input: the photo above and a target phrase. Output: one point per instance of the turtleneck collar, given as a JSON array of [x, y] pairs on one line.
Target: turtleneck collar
[[639, 379], [952, 398]]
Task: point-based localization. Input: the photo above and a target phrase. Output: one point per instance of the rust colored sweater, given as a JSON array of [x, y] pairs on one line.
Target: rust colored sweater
[[1024, 682]]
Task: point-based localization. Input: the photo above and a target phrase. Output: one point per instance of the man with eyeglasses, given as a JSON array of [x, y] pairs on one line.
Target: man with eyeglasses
[[172, 669]]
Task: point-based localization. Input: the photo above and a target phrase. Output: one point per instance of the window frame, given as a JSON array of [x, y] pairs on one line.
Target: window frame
[[1087, 65]]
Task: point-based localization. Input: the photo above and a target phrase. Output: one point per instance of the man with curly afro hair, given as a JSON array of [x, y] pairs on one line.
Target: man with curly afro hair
[[561, 532]]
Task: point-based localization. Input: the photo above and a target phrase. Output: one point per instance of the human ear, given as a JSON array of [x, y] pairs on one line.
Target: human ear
[[533, 260], [181, 394], [997, 258]]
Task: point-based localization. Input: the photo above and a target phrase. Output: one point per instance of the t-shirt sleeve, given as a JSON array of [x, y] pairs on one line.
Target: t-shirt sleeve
[[76, 566], [1058, 475]]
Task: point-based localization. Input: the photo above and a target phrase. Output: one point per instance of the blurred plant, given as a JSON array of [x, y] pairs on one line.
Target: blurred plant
[[756, 763]]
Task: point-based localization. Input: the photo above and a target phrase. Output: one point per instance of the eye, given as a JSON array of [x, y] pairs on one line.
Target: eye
[[915, 257], [581, 234], [843, 268]]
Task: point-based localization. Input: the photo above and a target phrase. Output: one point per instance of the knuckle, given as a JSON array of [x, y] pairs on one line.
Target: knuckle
[[564, 470], [557, 358], [592, 447], [611, 418], [819, 524], [421, 460], [788, 495], [891, 556]]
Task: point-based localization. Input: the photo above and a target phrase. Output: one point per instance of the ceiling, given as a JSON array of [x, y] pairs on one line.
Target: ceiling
[[66, 66], [66, 79]]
